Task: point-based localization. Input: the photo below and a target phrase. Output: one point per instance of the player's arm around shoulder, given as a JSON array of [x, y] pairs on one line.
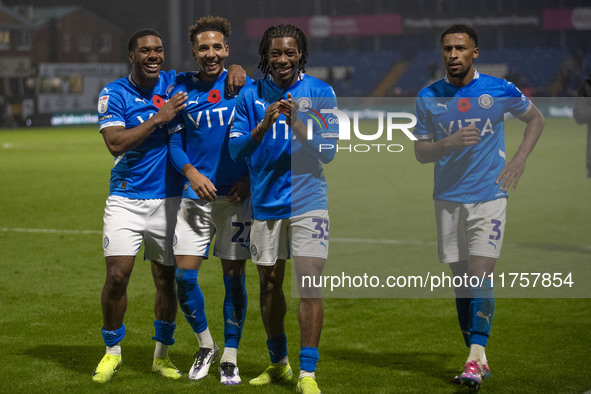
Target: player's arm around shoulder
[[235, 79], [509, 176], [120, 140]]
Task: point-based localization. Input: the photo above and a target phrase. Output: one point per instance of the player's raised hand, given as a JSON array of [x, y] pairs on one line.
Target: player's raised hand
[[169, 110], [509, 176], [464, 137], [289, 108], [235, 80], [271, 115], [201, 184]]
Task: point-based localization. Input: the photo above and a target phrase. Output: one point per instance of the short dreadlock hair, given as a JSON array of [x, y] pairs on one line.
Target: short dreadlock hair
[[132, 43], [282, 31], [210, 23], [454, 29]]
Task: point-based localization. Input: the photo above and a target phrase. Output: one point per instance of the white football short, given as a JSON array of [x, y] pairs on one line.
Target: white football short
[[465, 230], [306, 235], [129, 221], [198, 221]]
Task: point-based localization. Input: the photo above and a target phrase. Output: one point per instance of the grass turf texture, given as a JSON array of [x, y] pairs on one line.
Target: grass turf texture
[[50, 282]]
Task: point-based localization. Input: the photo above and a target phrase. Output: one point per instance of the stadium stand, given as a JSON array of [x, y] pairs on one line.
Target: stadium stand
[[352, 74], [535, 68]]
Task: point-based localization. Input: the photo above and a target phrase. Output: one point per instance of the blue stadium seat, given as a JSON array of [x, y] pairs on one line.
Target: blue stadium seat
[[534, 67], [367, 69]]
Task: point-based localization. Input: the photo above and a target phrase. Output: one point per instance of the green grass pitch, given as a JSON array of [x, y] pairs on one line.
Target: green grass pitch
[[54, 183]]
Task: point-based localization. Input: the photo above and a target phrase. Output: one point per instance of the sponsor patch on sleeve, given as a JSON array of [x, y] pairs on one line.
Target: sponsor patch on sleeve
[[103, 104]]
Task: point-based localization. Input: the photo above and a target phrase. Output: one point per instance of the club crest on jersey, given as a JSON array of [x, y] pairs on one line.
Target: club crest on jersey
[[169, 89], [304, 103], [485, 101], [103, 104]]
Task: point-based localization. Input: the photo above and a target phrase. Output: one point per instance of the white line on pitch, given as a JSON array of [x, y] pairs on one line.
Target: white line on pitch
[[93, 232], [382, 241], [339, 240], [48, 230], [71, 146]]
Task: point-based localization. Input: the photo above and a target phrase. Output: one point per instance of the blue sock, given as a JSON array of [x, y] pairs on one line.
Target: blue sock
[[191, 298], [482, 311], [463, 308], [277, 348], [164, 332], [235, 303], [112, 338], [308, 358]]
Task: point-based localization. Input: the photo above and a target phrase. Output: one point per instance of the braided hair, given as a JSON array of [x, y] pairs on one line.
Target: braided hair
[[282, 31]]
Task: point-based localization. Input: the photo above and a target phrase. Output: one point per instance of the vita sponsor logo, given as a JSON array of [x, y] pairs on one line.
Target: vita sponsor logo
[[212, 117]]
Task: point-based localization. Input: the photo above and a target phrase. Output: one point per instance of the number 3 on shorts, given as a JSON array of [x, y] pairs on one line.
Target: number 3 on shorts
[[322, 232], [496, 229]]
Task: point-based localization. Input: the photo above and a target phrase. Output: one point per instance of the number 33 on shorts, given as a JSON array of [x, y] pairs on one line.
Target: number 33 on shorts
[[321, 226]]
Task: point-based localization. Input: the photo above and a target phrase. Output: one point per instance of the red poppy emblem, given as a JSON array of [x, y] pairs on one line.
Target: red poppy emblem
[[464, 105], [214, 96], [158, 101]]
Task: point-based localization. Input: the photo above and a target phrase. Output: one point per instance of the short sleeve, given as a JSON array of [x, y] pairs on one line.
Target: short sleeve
[[423, 129], [110, 108], [517, 103]]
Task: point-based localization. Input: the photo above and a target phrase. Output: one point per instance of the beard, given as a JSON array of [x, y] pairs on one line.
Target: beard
[[460, 73]]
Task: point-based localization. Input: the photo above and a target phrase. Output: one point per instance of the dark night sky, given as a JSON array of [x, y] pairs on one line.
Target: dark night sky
[[132, 15], [121, 13]]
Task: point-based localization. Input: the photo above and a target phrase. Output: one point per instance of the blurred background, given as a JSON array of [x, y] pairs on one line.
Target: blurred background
[[56, 55]]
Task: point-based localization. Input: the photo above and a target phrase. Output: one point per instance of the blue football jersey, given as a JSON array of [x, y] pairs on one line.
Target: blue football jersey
[[200, 133], [286, 176], [143, 172], [469, 175]]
